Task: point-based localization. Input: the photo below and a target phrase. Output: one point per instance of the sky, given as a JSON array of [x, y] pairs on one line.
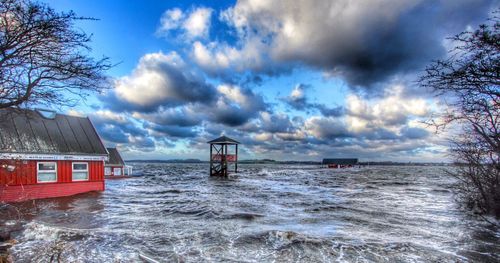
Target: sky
[[289, 79]]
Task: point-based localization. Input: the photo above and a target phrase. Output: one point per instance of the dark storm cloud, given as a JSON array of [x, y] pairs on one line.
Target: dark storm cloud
[[327, 128], [184, 117], [276, 123], [173, 130], [379, 134], [405, 45], [110, 121], [364, 42], [330, 112], [414, 133], [143, 143], [119, 129], [235, 106], [112, 133], [298, 99], [231, 116]]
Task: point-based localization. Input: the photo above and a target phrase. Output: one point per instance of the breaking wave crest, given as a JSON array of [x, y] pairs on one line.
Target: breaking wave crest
[[265, 213]]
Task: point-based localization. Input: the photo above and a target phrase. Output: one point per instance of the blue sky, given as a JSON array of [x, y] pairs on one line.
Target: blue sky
[[291, 80]]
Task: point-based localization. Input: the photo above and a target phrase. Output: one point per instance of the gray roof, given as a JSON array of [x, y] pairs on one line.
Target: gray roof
[[341, 161], [28, 131], [223, 140], [114, 157]]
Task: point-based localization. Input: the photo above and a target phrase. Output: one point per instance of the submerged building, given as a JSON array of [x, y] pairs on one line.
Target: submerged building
[[220, 157], [44, 154], [115, 167], [339, 162]]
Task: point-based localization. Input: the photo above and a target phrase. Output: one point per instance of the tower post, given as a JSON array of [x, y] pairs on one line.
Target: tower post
[[236, 161], [211, 161]]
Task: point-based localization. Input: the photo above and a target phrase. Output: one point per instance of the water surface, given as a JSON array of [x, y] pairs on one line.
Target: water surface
[[265, 213]]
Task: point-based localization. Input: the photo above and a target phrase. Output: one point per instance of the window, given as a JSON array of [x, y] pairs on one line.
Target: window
[[46, 172], [107, 170], [117, 171], [80, 171]]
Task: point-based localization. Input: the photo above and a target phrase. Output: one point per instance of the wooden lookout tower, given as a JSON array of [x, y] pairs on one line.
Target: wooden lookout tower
[[220, 158]]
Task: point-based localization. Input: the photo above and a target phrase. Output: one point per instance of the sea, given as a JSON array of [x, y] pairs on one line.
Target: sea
[[263, 213]]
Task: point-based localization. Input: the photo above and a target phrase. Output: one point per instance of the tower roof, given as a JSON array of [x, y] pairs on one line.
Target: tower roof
[[223, 140]]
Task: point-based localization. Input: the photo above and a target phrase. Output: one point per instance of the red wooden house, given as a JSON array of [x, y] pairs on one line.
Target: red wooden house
[[44, 154]]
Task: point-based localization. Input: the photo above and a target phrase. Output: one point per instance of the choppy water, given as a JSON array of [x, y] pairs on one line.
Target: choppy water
[[266, 213]]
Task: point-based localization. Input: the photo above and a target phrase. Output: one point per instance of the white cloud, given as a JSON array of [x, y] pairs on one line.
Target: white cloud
[[170, 19], [73, 112], [215, 56], [241, 97], [263, 137], [148, 84], [297, 93], [108, 115], [162, 80], [235, 94], [389, 112], [197, 24]]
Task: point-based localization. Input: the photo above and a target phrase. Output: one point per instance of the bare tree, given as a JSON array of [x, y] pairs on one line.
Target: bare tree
[[43, 57], [469, 81]]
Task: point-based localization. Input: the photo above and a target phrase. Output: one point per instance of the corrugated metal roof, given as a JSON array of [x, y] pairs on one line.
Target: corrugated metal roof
[[27, 131], [114, 157], [224, 140], [341, 161]]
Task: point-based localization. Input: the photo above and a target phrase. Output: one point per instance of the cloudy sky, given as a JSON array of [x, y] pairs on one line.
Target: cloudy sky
[[289, 79]]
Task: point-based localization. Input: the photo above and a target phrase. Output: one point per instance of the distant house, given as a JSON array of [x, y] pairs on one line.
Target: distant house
[[44, 154], [340, 162], [115, 166]]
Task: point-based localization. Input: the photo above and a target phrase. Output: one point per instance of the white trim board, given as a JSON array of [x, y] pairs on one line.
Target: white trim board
[[52, 157]]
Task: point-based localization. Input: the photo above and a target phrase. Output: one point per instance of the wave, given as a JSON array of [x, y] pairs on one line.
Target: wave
[[265, 213]]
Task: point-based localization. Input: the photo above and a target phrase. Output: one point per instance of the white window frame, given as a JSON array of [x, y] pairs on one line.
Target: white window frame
[[120, 169], [38, 171], [73, 170], [110, 169]]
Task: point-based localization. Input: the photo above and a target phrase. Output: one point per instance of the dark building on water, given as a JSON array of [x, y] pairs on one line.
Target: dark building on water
[[340, 162]]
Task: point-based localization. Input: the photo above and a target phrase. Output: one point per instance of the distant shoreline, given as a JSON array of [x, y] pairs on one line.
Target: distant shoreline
[[268, 161]]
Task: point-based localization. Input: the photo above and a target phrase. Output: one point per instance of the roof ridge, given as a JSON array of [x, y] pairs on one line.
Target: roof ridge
[[64, 134]]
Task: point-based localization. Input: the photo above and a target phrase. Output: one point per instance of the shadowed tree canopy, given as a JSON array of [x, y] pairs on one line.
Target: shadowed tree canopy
[[43, 57], [469, 80]]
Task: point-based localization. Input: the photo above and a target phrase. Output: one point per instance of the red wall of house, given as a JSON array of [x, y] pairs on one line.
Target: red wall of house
[[25, 172], [21, 184], [17, 193]]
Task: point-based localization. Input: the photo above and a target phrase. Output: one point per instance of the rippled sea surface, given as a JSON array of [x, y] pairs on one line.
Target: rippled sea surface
[[265, 213]]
